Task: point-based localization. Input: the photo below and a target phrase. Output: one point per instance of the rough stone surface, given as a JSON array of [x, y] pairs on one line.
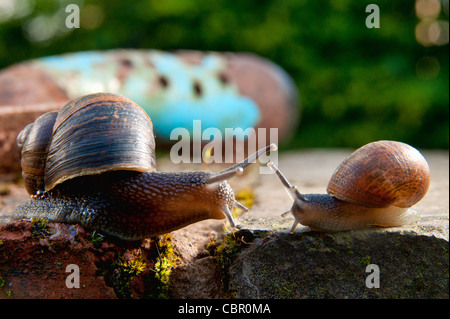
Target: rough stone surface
[[197, 280], [261, 261], [413, 260], [411, 264], [33, 264]]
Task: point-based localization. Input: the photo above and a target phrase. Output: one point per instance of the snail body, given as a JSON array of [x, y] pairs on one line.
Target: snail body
[[132, 205], [93, 163], [375, 186]]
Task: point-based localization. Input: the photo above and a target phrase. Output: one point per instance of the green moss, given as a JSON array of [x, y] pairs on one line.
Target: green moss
[[3, 284], [125, 270], [365, 260], [167, 260], [133, 267], [226, 250], [96, 240], [142, 271], [162, 269], [39, 226]]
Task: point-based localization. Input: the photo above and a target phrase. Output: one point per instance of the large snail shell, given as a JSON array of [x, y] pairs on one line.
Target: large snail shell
[[32, 143], [93, 134], [382, 174]]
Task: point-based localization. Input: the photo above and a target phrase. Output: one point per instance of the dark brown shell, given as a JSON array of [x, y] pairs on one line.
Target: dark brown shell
[[382, 174], [93, 134], [32, 143]]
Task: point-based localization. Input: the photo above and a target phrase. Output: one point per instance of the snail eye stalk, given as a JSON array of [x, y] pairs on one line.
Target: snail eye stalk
[[292, 190]]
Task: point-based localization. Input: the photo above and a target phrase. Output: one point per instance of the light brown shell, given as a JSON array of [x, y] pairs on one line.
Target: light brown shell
[[90, 135], [381, 174]]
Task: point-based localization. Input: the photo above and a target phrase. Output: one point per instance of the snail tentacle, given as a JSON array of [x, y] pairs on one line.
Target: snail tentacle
[[224, 175], [292, 190], [252, 158], [239, 205]]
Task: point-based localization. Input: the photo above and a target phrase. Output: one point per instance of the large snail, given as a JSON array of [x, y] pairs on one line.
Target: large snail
[[93, 162], [374, 186]]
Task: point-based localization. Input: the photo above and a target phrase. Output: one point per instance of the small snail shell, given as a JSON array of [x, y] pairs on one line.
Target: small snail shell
[[93, 163], [374, 186]]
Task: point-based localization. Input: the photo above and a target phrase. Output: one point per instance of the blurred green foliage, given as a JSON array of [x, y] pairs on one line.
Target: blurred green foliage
[[356, 84]]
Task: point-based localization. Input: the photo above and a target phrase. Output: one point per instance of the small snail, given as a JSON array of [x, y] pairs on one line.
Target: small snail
[[93, 162], [374, 186]]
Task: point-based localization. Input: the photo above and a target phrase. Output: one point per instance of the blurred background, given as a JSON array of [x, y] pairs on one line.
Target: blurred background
[[356, 84]]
